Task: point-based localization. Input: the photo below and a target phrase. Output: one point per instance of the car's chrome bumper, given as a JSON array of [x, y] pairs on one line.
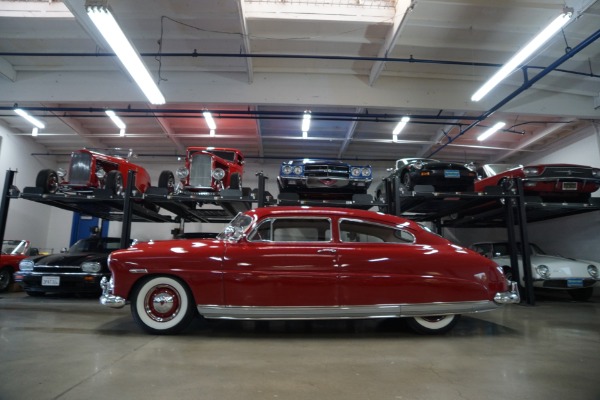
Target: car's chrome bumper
[[108, 299], [509, 297]]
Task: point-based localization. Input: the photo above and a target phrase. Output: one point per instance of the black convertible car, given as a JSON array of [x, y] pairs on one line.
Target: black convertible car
[[78, 271], [443, 176]]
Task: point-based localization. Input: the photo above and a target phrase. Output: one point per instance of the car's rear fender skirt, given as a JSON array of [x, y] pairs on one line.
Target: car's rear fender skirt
[[344, 312]]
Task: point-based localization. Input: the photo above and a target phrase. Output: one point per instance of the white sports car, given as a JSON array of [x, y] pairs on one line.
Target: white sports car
[[578, 277]]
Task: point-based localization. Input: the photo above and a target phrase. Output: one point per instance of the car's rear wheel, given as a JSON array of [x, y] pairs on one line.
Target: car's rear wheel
[[407, 182], [235, 182], [581, 294], [114, 182], [47, 179], [162, 305], [434, 324], [5, 278], [167, 180]]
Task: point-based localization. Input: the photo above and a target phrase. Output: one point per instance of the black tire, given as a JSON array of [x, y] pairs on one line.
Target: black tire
[[433, 325], [235, 182], [167, 180], [47, 179], [407, 182], [507, 184], [114, 182], [581, 294], [162, 305], [508, 273], [34, 293], [6, 278]]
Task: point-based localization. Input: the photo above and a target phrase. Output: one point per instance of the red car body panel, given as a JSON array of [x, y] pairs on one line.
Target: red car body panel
[[108, 163], [552, 180], [333, 273]]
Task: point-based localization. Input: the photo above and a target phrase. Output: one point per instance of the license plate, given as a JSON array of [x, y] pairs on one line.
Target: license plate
[[451, 173], [574, 282], [50, 280], [569, 185]]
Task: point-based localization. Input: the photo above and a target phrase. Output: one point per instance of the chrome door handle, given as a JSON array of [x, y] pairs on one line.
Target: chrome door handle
[[326, 251]]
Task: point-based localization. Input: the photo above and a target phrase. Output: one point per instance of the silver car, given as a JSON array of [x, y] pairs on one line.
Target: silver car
[[577, 277]]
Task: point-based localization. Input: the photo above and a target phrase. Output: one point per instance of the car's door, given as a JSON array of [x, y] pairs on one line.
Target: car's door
[[378, 264], [283, 262]]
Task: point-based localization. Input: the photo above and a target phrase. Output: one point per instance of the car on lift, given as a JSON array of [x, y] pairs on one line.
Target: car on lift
[[209, 170], [298, 262], [77, 271], [92, 169], [318, 179], [443, 176], [13, 251], [551, 182], [577, 277]]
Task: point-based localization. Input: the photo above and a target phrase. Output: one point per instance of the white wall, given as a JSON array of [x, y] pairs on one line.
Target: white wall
[[575, 236], [26, 219]]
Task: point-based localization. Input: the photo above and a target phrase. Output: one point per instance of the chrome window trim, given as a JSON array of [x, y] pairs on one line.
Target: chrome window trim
[[377, 224], [271, 219]]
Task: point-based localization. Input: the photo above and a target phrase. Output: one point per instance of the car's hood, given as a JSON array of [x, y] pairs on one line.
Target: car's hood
[[304, 162], [70, 259], [443, 164]]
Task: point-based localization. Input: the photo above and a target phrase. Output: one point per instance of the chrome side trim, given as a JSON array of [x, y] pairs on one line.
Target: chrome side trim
[[344, 312], [138, 271]]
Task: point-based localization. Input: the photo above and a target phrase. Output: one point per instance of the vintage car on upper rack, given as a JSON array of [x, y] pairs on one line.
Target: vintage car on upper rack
[[577, 277], [558, 182], [78, 271], [280, 263], [443, 176], [92, 169], [13, 251], [323, 179], [209, 170]]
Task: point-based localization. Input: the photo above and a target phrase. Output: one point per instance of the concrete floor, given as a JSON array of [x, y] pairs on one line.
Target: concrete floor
[[72, 348]]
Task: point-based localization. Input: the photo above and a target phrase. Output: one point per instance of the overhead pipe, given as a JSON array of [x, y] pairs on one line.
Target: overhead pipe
[[526, 85]]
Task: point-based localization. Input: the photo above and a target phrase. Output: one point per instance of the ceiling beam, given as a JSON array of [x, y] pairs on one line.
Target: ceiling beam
[[245, 40], [7, 70]]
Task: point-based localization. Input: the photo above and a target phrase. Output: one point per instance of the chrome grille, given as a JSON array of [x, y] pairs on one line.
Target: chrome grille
[[200, 170], [79, 172], [567, 172], [326, 171]]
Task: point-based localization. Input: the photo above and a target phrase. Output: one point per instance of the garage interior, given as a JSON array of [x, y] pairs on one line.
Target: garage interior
[[357, 67]]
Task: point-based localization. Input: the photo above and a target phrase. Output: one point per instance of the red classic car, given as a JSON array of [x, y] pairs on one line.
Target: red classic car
[[210, 169], [549, 181], [89, 170], [306, 263], [13, 251]]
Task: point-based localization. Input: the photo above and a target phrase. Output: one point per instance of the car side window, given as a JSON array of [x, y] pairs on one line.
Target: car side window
[[365, 232], [293, 230]]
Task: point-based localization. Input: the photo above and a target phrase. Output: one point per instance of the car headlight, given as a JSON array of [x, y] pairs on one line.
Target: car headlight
[[26, 265], [593, 271], [471, 167], [532, 171], [355, 171], [286, 169], [182, 172], [366, 171], [298, 170], [543, 271], [596, 172], [100, 173], [91, 266], [218, 174], [61, 172], [418, 165]]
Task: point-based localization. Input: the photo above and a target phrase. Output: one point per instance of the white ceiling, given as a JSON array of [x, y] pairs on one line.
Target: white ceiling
[[323, 57]]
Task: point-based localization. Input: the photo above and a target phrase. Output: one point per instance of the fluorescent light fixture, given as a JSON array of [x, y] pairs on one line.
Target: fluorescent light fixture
[[122, 132], [491, 131], [524, 54], [34, 131], [212, 132], [400, 126], [34, 121], [114, 36], [304, 134], [209, 120], [306, 122], [118, 122]]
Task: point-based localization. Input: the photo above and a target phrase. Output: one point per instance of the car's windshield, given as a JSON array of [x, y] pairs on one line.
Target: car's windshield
[[14, 246], [95, 245], [240, 223]]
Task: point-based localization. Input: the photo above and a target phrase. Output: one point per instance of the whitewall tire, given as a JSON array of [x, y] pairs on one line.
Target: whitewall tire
[[433, 325]]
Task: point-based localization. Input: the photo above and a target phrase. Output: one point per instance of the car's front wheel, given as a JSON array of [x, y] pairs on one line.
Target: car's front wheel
[[433, 325], [5, 278], [581, 294], [114, 182], [167, 180], [47, 179], [162, 305]]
